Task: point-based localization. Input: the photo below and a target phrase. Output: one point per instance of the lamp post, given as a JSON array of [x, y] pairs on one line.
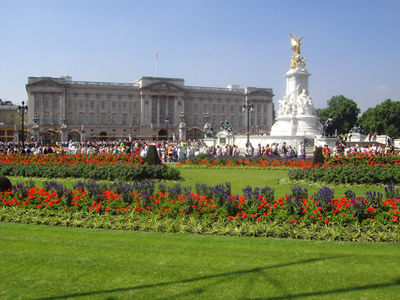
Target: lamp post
[[166, 124], [248, 107], [22, 109]]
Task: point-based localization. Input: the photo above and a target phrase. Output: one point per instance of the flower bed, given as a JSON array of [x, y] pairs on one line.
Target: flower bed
[[71, 159], [210, 203], [370, 159], [252, 162], [101, 167], [351, 174], [365, 159]]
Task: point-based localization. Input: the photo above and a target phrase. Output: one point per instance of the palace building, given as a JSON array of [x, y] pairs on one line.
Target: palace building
[[150, 108]]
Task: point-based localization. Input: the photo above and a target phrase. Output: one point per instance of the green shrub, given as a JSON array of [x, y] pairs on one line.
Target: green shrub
[[5, 184], [318, 157], [152, 157]]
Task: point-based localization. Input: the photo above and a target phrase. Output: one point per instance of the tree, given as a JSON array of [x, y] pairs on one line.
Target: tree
[[383, 119], [344, 110]]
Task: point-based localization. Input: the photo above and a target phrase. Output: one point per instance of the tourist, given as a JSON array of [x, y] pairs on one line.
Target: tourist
[[301, 151]]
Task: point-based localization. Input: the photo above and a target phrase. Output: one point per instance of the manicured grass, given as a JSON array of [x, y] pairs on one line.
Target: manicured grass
[[238, 177], [44, 262]]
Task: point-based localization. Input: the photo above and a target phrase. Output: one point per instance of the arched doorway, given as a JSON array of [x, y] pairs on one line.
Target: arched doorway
[[162, 134], [194, 133], [103, 136]]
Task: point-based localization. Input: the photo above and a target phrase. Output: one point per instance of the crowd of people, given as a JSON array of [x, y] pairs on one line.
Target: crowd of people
[[173, 151], [374, 148]]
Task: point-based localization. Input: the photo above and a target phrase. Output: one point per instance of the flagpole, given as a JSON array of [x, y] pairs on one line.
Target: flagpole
[[157, 64]]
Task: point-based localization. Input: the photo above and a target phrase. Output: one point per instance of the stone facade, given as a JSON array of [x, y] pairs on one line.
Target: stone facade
[[149, 108], [10, 122]]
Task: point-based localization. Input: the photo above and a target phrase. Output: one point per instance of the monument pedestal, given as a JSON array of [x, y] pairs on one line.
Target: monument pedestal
[[296, 114]]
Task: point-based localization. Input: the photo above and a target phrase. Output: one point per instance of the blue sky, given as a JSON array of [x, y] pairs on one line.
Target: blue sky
[[352, 47]]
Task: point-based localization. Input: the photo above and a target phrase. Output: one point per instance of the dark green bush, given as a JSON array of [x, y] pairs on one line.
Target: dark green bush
[[152, 157], [318, 157], [5, 184]]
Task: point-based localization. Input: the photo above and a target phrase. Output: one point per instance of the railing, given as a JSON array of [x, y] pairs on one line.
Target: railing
[[91, 83], [213, 89], [193, 88]]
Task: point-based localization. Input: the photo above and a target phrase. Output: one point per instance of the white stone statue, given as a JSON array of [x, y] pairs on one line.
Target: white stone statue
[[304, 104], [284, 107]]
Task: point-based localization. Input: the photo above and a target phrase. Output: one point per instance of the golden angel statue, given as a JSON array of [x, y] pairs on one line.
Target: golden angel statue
[[296, 42]]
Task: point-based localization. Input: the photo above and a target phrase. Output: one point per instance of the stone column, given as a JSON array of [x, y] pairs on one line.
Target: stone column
[[158, 109], [142, 109]]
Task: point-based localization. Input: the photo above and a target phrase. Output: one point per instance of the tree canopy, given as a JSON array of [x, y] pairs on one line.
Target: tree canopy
[[344, 110], [383, 119]]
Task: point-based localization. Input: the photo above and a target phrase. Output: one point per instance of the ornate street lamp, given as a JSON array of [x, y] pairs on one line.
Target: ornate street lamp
[[248, 107], [22, 109], [166, 124]]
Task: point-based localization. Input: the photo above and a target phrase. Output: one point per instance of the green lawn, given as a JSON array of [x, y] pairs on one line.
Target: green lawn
[[238, 177], [44, 262]]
